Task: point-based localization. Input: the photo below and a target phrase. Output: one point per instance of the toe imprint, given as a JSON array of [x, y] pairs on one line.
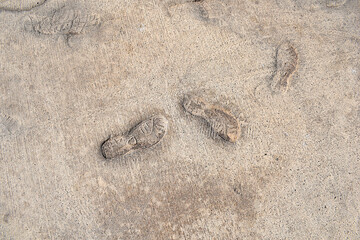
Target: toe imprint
[[144, 135], [220, 120]]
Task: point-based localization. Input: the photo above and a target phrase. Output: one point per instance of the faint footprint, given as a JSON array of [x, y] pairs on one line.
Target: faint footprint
[[8, 125], [19, 5], [168, 5], [335, 3], [144, 135], [220, 120], [64, 21], [286, 63], [172, 3]]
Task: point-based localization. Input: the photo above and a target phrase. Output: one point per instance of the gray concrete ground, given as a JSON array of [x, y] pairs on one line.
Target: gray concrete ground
[[74, 72]]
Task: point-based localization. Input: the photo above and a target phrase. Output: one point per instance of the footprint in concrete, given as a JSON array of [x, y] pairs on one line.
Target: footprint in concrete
[[144, 135], [220, 120], [64, 21], [8, 125], [19, 5], [335, 3], [286, 64]]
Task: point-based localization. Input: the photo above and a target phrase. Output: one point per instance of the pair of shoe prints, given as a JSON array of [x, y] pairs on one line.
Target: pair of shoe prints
[[152, 130]]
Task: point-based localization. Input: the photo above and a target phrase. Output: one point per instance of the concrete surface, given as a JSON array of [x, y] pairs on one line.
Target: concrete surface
[[67, 82]]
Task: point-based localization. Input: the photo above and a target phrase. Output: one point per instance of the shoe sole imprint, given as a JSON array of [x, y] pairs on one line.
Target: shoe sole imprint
[[63, 21], [8, 125], [286, 64], [220, 120], [144, 135], [335, 3]]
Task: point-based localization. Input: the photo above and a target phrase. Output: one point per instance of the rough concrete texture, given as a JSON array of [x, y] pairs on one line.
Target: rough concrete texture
[[67, 82]]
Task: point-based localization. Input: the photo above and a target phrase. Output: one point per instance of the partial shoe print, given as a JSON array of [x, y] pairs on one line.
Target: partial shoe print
[[63, 21], [286, 63], [8, 125], [220, 120], [335, 3], [144, 135], [19, 5]]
